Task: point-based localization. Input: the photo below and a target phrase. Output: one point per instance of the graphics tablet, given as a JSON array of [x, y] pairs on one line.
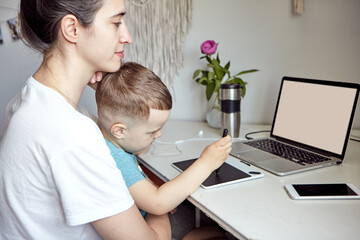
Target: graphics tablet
[[228, 174]]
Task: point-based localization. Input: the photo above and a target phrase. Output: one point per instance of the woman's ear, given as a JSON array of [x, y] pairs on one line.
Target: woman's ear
[[70, 28], [117, 130]]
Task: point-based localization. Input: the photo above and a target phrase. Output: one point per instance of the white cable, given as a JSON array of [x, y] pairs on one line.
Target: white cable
[[179, 142], [177, 146]]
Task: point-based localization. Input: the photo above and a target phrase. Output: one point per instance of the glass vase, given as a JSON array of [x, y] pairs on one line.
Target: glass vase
[[213, 115]]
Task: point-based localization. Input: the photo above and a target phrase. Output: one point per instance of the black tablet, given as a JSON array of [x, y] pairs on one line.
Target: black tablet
[[226, 175]]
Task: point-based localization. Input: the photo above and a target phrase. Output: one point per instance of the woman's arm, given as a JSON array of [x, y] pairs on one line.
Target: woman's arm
[[131, 225], [169, 195]]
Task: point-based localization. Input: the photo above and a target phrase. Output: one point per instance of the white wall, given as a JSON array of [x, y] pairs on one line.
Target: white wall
[[17, 62], [322, 43]]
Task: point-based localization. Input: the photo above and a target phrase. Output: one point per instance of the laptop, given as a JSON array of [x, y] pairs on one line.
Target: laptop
[[310, 129]]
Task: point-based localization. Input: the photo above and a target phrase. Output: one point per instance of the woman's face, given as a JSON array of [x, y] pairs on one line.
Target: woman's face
[[102, 45]]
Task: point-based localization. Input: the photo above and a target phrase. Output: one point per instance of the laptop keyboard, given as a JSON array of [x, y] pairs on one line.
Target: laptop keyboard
[[293, 154]]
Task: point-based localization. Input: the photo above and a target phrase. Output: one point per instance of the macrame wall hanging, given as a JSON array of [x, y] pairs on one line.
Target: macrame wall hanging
[[299, 6], [158, 29]]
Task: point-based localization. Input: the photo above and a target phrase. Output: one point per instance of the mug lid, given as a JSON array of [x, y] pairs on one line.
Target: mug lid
[[230, 85]]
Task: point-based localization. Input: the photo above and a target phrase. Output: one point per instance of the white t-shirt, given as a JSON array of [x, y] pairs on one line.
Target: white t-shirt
[[56, 173]]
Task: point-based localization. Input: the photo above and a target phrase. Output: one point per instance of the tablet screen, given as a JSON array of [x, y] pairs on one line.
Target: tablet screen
[[227, 173]]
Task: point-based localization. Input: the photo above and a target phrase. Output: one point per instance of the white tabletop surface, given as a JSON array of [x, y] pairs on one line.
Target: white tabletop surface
[[261, 209]]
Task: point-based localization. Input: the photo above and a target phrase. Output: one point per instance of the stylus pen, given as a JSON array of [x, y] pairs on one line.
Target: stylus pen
[[225, 133]]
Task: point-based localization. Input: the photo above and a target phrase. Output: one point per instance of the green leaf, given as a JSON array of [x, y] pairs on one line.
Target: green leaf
[[196, 73], [204, 73], [217, 86], [243, 87], [243, 91], [215, 62], [229, 81], [220, 73], [247, 71], [235, 80], [208, 58], [242, 83], [227, 66], [202, 81], [210, 77], [210, 90], [218, 70], [217, 89]]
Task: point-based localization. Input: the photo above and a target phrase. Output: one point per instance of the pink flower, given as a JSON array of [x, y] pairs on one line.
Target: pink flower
[[208, 47]]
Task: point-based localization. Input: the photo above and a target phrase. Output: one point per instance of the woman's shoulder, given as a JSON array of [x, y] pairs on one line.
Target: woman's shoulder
[[84, 126]]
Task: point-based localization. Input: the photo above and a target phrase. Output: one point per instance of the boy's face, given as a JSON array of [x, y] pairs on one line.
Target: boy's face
[[139, 136]]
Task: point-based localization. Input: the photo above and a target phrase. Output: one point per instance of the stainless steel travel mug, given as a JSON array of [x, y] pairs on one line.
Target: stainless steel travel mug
[[230, 97]]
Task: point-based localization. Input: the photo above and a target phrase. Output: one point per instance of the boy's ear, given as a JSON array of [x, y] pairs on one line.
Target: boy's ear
[[117, 130], [70, 28]]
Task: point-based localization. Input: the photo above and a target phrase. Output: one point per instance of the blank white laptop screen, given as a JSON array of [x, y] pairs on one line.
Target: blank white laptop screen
[[314, 114]]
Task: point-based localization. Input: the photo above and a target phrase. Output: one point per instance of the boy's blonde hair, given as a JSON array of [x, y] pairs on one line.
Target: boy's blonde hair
[[129, 94]]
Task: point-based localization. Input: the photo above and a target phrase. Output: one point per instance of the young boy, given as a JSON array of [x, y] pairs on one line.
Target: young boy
[[133, 105]]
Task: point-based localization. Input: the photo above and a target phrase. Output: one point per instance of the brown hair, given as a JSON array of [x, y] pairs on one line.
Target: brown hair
[[130, 93], [40, 19]]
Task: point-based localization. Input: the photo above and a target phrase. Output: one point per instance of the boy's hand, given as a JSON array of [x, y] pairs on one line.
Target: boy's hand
[[95, 79], [173, 211], [215, 154]]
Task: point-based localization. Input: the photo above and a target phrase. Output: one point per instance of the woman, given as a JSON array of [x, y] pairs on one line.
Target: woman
[[57, 177]]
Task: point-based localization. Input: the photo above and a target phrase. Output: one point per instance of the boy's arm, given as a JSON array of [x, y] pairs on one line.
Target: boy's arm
[[169, 195], [131, 225]]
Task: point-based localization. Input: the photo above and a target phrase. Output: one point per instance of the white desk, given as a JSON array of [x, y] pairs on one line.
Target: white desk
[[261, 209]]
